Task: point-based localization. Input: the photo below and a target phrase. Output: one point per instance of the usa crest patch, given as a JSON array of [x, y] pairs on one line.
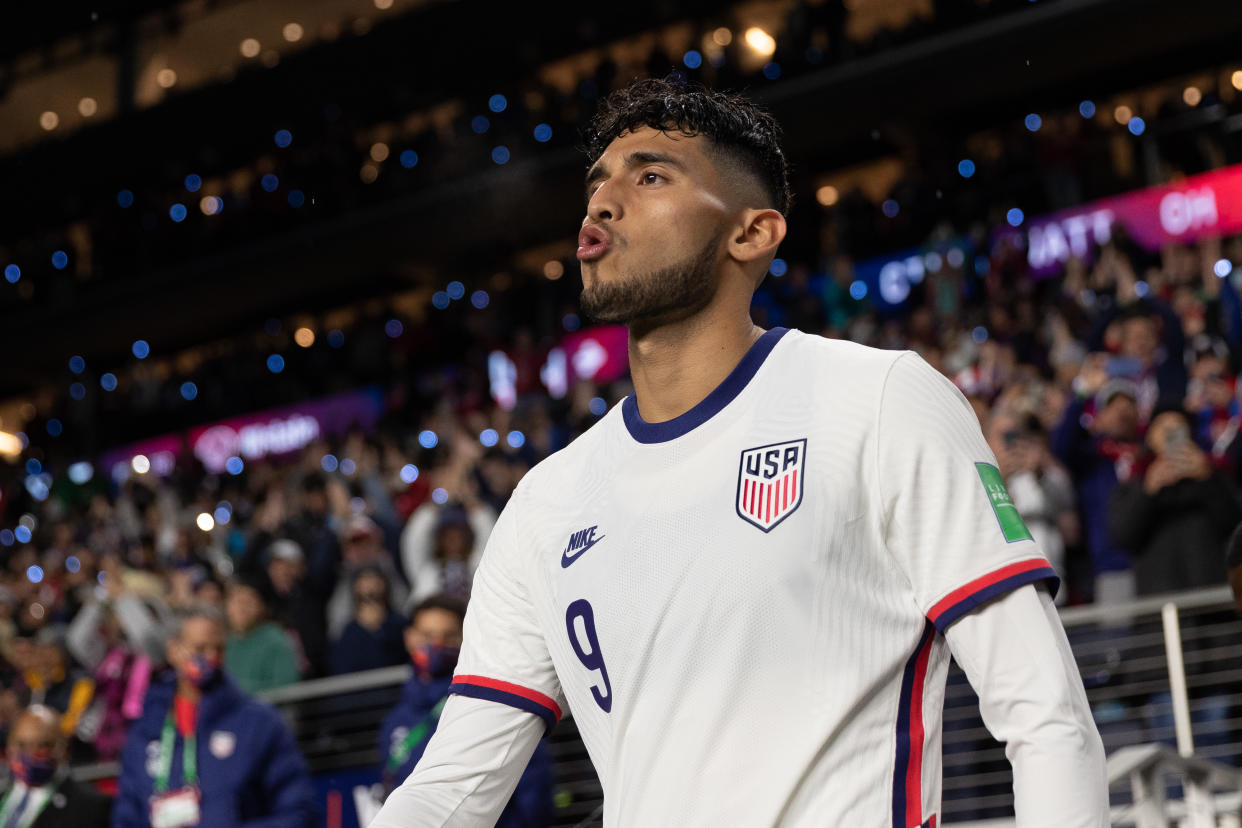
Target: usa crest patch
[[770, 482]]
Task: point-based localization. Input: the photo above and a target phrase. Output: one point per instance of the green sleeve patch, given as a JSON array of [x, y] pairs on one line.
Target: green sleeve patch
[[1002, 504]]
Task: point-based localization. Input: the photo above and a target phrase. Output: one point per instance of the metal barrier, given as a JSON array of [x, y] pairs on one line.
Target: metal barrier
[[1120, 652], [1146, 769]]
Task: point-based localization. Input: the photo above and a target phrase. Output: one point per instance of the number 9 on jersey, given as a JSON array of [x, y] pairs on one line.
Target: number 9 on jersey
[[580, 623]]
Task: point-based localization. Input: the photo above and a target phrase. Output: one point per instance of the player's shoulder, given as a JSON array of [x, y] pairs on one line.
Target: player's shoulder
[[564, 470], [835, 363]]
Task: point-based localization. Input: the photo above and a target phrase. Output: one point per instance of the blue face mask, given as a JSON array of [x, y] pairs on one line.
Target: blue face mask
[[33, 771], [202, 671], [432, 661]]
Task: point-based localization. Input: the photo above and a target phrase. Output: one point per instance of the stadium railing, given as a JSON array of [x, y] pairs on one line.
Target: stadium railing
[[1120, 651], [1147, 769]]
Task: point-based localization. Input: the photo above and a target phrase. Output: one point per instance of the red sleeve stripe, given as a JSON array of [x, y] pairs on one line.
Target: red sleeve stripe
[[983, 589], [514, 695]]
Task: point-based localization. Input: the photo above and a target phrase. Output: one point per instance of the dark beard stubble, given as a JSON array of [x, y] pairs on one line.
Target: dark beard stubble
[[669, 294]]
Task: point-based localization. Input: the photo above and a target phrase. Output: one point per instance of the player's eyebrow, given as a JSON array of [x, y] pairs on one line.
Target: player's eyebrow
[[634, 159]]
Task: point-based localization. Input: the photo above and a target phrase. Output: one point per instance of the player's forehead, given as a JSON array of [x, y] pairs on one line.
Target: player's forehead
[[639, 144]]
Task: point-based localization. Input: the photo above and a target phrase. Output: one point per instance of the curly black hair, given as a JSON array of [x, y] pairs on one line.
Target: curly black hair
[[739, 130]]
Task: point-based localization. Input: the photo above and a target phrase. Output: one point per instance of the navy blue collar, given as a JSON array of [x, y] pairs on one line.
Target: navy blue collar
[[722, 395]]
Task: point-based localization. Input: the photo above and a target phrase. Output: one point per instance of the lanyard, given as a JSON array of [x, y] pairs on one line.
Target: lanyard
[[8, 805], [189, 757], [401, 752]]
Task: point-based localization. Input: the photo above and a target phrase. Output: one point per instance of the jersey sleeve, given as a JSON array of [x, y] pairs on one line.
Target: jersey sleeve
[[1017, 658], [504, 656], [946, 515], [473, 762]]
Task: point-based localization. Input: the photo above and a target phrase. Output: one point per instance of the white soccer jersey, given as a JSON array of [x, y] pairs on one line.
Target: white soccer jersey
[[743, 606]]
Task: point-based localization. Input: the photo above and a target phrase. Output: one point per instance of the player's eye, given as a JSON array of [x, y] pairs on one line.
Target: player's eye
[[650, 178]]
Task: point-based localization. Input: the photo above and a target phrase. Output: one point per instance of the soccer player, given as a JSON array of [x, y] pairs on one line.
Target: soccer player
[[746, 580]]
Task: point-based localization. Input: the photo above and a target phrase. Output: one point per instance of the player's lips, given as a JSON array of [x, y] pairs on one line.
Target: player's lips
[[593, 242]]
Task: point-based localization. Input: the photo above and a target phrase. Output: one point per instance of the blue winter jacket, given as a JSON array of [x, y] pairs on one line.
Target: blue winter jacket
[[531, 803], [251, 772]]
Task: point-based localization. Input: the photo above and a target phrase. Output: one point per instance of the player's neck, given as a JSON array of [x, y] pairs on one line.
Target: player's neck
[[675, 366]]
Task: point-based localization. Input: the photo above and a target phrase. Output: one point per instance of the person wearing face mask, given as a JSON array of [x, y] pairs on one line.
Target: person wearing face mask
[[433, 640], [206, 754], [41, 794]]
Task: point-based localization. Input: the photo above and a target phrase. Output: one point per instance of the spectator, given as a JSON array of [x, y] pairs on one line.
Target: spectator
[[249, 771], [1174, 515], [441, 546], [259, 654], [433, 639], [1176, 512], [297, 605], [373, 638], [194, 586], [314, 527], [498, 475], [42, 794], [1098, 445], [305, 580], [209, 591], [51, 680], [1144, 333], [120, 641], [362, 547], [1211, 398]]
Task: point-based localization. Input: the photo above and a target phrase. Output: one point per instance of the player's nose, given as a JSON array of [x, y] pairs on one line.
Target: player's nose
[[603, 204]]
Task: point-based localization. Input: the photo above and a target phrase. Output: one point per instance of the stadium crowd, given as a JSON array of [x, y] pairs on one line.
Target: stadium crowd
[[1107, 394]]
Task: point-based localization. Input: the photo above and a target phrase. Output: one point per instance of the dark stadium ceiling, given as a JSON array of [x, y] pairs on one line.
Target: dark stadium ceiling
[[938, 88], [71, 59]]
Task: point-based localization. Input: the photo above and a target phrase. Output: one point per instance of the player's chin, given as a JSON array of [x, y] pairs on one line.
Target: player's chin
[[596, 271], [601, 307]]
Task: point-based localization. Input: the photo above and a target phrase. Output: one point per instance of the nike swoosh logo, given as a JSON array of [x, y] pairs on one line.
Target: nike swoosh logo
[[566, 559]]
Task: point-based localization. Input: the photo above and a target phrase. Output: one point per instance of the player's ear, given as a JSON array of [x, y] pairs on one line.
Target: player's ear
[[757, 235]]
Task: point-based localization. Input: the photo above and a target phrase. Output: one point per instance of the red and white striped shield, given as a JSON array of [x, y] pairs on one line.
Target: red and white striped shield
[[770, 482]]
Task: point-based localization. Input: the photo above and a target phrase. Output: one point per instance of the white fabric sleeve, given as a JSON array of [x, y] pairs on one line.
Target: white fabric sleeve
[[1016, 656], [469, 770], [504, 653], [947, 518]]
